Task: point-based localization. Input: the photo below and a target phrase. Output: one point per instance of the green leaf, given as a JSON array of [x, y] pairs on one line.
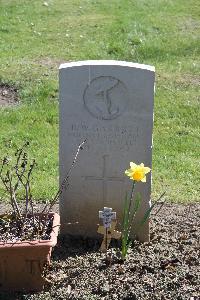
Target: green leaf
[[137, 203], [129, 211], [147, 214]]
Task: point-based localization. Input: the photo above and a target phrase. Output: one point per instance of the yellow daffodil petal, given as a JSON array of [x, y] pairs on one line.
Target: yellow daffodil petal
[[147, 170], [132, 165], [143, 179], [137, 172], [127, 171]]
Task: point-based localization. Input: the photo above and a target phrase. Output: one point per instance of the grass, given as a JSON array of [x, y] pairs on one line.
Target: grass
[[34, 38]]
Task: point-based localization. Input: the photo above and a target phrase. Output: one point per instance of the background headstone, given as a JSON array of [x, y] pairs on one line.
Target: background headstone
[[110, 104]]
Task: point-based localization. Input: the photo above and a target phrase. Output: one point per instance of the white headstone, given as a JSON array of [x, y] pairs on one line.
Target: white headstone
[[110, 104]]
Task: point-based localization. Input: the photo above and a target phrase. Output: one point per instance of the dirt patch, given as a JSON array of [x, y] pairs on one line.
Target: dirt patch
[[189, 25], [165, 268], [8, 95], [184, 80], [189, 79], [52, 63]]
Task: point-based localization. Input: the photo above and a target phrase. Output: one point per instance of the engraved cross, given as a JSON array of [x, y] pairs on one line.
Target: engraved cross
[[104, 179]]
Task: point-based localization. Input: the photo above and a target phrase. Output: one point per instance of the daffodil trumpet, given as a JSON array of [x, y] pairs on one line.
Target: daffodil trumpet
[[137, 172]]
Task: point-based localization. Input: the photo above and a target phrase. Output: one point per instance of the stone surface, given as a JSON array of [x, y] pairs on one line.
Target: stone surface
[[110, 104]]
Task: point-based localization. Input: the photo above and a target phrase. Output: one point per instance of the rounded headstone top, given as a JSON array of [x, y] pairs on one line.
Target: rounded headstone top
[[107, 63]]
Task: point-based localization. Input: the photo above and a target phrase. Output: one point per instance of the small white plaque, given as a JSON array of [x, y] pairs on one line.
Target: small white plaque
[[107, 215]]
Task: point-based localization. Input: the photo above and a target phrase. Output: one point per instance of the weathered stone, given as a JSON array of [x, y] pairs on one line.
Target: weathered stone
[[110, 104]]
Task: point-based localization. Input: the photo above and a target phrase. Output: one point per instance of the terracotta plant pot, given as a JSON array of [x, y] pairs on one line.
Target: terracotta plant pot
[[22, 263]]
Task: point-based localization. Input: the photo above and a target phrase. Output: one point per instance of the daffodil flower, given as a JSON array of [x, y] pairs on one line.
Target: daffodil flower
[[137, 172]]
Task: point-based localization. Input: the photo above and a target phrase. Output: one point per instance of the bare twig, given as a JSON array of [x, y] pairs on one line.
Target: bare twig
[[17, 178], [13, 196], [14, 177], [63, 184], [65, 180]]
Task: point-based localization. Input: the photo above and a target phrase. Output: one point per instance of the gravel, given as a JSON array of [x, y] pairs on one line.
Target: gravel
[[165, 268]]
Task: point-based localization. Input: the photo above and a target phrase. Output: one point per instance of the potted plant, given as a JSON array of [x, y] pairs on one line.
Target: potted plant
[[26, 237], [22, 261]]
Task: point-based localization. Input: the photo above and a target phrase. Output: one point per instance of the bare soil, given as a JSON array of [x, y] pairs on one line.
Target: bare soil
[[165, 268], [8, 95], [27, 228], [51, 63]]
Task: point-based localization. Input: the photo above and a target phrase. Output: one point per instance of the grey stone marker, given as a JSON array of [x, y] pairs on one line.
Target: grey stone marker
[[110, 104]]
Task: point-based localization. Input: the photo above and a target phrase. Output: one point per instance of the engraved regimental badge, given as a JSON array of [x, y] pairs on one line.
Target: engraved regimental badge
[[105, 97]]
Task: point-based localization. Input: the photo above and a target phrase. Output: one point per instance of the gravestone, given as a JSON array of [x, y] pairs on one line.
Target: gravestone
[[110, 104]]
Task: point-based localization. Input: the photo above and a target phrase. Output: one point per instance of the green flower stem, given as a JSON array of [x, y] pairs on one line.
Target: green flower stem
[[127, 220], [131, 197]]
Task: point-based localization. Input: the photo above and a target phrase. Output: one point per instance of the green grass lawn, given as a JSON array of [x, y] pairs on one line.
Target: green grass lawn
[[35, 38]]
